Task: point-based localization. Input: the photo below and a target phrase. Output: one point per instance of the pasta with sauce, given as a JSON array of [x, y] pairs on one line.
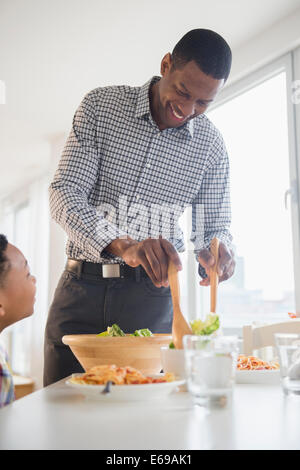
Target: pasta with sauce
[[254, 363], [100, 375]]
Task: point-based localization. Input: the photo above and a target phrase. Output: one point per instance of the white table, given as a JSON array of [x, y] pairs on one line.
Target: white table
[[57, 417]]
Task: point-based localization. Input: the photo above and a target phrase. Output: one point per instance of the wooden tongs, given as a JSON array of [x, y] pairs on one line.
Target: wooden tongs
[[180, 326]]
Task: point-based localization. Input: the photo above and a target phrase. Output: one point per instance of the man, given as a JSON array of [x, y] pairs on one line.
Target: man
[[132, 150]]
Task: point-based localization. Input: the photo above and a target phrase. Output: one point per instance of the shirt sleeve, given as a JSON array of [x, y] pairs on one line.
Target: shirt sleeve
[[88, 227], [211, 210]]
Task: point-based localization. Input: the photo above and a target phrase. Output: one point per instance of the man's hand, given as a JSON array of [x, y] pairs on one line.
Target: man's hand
[[226, 263], [152, 254]]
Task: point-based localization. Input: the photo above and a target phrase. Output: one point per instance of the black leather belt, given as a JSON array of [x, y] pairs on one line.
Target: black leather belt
[[105, 271]]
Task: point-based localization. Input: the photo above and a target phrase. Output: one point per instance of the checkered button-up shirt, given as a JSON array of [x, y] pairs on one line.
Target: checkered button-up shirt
[[118, 171]]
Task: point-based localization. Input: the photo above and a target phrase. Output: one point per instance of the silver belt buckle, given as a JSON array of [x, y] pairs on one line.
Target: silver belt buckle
[[110, 270]]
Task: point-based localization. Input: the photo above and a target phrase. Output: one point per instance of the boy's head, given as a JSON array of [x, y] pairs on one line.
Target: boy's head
[[17, 285]]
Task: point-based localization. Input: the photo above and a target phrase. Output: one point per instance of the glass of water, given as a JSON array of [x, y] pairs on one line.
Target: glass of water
[[210, 368], [288, 350]]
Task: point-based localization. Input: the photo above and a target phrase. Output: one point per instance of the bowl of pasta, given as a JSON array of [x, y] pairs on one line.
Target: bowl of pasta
[[253, 370], [112, 383], [135, 350]]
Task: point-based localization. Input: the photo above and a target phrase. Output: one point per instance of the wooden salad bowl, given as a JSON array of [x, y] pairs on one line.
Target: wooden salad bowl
[[142, 353]]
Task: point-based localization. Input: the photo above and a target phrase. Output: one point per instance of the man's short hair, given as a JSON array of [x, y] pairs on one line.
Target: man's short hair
[[208, 49]]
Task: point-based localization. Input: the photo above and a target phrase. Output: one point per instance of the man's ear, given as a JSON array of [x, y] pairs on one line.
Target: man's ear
[[165, 65]]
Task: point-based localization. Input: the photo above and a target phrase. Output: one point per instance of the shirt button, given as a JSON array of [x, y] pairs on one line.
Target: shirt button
[[148, 165], [137, 197]]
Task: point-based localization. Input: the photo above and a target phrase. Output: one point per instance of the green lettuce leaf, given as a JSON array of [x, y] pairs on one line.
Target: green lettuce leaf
[[113, 330], [142, 332], [206, 327], [104, 333]]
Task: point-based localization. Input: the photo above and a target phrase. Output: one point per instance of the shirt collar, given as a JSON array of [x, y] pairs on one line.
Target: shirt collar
[[143, 108], [143, 104]]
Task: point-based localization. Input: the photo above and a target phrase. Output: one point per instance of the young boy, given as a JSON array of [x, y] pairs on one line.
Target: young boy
[[17, 297]]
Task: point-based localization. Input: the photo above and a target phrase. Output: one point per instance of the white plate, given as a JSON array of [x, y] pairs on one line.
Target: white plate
[[138, 392], [271, 376]]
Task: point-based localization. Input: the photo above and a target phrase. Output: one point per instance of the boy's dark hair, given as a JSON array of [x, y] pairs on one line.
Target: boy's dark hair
[[4, 263], [208, 49]]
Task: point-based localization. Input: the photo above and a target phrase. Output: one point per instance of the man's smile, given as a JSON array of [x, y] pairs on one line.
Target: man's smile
[[177, 115]]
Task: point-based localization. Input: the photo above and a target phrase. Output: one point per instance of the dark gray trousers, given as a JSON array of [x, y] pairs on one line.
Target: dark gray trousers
[[87, 304]]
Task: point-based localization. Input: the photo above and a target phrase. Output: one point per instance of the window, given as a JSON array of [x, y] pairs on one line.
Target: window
[[254, 122], [21, 330]]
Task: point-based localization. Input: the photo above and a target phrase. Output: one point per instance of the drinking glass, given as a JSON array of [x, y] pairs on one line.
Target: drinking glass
[[210, 368], [288, 350]]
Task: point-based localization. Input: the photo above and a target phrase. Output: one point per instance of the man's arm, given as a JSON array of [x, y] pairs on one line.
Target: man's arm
[[75, 177], [212, 215]]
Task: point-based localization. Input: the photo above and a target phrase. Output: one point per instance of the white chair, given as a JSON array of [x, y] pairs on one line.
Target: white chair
[[263, 336]]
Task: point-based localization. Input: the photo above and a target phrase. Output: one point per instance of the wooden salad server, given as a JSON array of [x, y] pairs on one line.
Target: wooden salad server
[[214, 278], [180, 326]]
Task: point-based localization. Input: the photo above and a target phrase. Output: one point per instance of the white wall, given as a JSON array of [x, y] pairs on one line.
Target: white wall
[[282, 37]]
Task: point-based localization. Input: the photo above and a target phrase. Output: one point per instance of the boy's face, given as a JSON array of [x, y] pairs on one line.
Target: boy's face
[[17, 294]]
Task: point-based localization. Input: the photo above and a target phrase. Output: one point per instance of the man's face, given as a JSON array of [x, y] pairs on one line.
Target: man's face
[[183, 93], [17, 295]]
